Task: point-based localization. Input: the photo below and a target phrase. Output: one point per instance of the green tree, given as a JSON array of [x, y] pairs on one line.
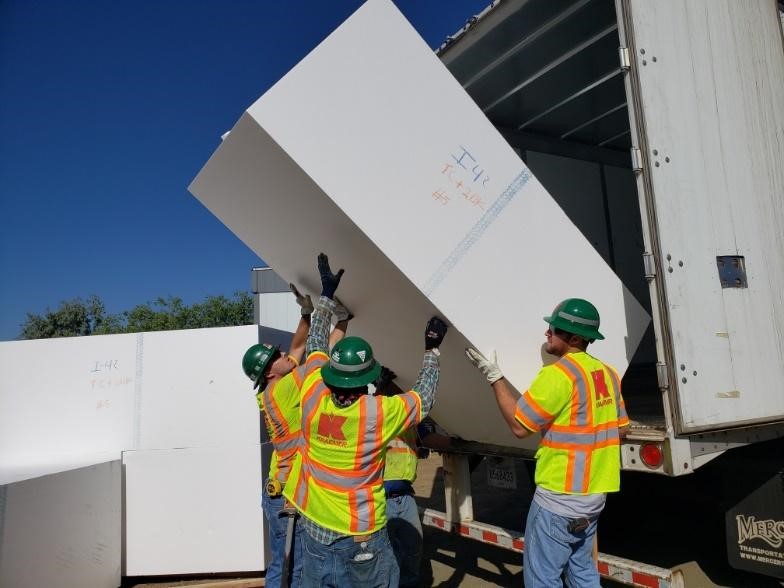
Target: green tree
[[72, 318], [77, 317]]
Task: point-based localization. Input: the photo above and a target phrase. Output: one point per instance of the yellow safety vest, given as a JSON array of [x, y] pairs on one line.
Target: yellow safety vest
[[401, 460], [279, 403], [336, 480], [577, 405]]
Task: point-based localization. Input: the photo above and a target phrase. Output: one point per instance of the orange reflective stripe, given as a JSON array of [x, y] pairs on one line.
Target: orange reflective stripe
[[280, 425], [582, 393], [567, 370], [569, 469], [313, 362], [587, 472]]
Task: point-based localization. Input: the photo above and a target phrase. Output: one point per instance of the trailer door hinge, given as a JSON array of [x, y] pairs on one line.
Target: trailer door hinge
[[649, 265], [663, 376], [636, 160], [624, 57]]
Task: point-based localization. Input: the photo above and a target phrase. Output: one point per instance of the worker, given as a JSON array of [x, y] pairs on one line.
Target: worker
[[278, 399], [576, 404], [336, 482], [404, 526]]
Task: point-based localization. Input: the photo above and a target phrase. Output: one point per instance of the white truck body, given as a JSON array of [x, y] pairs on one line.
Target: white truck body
[[694, 91]]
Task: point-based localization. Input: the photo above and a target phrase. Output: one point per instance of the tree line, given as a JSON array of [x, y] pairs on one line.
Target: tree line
[[77, 317]]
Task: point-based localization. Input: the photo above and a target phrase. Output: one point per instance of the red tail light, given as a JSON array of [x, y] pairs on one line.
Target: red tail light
[[651, 455]]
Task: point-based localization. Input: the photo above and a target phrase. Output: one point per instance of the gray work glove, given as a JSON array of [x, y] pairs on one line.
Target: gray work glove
[[329, 281], [488, 367], [341, 312], [304, 301]]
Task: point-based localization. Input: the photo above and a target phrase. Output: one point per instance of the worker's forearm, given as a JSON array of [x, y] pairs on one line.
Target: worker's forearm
[[507, 400], [427, 382], [300, 336], [320, 321]]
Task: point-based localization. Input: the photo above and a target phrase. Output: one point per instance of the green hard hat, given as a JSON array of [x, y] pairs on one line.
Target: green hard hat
[[576, 316], [351, 364], [256, 360]]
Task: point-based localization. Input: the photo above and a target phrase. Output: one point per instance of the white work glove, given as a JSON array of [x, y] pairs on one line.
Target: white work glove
[[304, 301], [488, 367], [341, 312]]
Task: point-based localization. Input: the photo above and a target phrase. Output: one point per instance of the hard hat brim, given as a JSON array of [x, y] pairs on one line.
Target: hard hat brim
[[260, 378], [586, 332], [332, 377]]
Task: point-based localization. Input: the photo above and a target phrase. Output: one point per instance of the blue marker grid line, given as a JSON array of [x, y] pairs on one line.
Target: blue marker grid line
[[476, 232]]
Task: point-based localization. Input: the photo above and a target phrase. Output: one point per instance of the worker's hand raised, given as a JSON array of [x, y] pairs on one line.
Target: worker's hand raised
[[434, 333], [488, 367], [329, 281], [304, 301]]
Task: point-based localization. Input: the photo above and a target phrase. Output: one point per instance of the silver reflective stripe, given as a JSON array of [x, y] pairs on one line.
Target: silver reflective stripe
[[530, 414], [364, 507], [286, 444], [410, 402], [578, 319], [366, 444], [586, 439], [582, 391], [342, 482], [301, 491], [578, 473], [311, 400], [349, 368]]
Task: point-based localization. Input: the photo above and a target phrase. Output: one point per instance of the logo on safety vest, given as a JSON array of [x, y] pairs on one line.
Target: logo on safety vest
[[330, 429], [603, 397]]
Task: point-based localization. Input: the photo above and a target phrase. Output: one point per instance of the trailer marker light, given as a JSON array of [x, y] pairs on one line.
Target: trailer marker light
[[651, 455]]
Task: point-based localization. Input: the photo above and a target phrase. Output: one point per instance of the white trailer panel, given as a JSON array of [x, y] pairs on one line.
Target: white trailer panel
[[711, 103], [371, 151]]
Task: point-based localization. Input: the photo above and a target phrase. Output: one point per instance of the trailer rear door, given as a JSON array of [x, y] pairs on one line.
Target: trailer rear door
[[707, 89]]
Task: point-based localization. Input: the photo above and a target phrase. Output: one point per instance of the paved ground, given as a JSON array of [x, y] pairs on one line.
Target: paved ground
[[450, 560]]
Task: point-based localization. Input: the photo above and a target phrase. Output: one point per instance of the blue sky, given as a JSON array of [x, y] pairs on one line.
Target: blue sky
[[109, 108]]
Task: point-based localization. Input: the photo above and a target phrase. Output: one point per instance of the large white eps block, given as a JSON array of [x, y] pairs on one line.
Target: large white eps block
[[370, 151], [193, 510], [70, 402], [63, 529]]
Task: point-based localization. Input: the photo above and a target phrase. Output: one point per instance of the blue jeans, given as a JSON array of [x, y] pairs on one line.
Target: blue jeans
[[405, 534], [551, 552], [348, 562], [277, 540]]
